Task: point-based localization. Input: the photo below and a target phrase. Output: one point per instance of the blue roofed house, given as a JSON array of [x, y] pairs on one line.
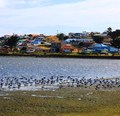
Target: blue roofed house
[[37, 42], [113, 50], [102, 47]]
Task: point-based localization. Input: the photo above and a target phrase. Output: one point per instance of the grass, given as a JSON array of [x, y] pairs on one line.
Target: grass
[[62, 102], [59, 54]]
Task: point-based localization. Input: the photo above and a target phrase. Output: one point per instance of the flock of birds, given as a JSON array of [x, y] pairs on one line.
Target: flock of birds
[[15, 83]]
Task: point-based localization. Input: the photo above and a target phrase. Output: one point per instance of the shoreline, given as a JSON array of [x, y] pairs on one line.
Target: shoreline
[[64, 56]]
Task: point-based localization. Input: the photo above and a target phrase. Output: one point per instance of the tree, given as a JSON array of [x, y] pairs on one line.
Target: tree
[[61, 36], [66, 37], [115, 35], [98, 39], [2, 39], [116, 42], [30, 35], [12, 41], [23, 49], [81, 44], [109, 29]]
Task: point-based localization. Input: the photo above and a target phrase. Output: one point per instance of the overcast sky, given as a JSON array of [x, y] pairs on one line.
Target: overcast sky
[[62, 16]]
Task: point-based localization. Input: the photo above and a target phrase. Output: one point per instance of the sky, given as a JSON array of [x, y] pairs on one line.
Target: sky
[[58, 16]]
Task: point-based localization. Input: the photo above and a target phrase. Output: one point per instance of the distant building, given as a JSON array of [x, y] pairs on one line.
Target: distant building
[[67, 48], [76, 42], [75, 35], [100, 47], [37, 42]]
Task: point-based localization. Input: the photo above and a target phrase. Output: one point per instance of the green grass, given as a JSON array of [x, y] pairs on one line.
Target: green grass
[[63, 102]]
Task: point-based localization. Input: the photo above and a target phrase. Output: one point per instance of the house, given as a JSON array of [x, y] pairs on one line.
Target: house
[[30, 49], [43, 48], [76, 42], [75, 35], [36, 42], [113, 50], [55, 46], [102, 47], [67, 48], [5, 49], [22, 42]]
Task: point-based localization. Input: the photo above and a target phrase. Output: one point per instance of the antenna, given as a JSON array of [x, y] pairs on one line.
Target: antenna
[[57, 31]]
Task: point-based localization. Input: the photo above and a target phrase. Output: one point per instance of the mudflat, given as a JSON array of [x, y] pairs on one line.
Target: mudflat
[[61, 102]]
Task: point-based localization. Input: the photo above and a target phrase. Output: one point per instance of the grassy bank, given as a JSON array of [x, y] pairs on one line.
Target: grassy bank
[[62, 102], [64, 55]]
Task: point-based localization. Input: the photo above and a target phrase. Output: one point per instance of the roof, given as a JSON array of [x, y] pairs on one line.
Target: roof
[[79, 40], [112, 49], [100, 45], [67, 46]]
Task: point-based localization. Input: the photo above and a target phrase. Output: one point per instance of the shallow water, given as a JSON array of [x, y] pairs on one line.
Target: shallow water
[[40, 67]]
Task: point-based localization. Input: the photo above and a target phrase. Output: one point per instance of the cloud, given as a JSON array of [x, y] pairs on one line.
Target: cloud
[[90, 15], [2, 3], [23, 4], [76, 14]]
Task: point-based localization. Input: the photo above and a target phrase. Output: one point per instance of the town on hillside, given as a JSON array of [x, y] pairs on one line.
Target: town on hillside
[[107, 42]]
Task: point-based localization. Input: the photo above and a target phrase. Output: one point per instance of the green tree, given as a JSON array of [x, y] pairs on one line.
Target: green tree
[[23, 50], [116, 42], [115, 35], [12, 41], [98, 39], [61, 36], [66, 37], [109, 29], [2, 43]]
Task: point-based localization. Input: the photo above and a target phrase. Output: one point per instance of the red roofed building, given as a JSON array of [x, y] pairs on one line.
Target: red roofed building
[[67, 48]]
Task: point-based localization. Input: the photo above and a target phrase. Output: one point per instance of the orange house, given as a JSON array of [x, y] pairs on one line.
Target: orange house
[[67, 48]]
